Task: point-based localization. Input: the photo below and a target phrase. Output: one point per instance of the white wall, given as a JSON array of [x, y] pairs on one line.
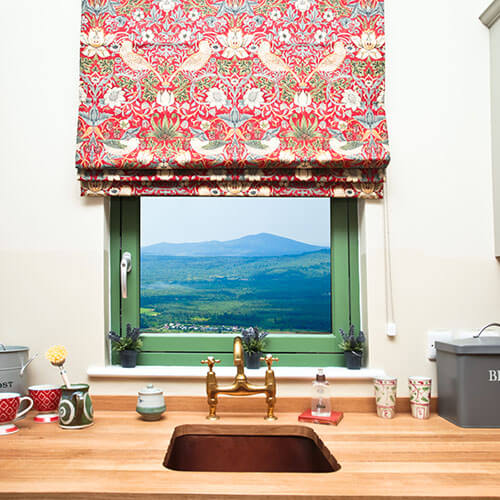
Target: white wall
[[495, 117], [440, 188], [53, 244]]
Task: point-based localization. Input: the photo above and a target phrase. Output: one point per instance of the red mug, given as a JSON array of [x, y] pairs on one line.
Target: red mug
[[46, 401], [9, 406]]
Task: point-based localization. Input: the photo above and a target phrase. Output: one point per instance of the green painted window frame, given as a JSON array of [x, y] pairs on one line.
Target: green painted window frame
[[318, 349]]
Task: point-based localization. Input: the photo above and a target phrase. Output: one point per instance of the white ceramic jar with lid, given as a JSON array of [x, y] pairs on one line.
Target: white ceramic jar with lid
[[150, 403]]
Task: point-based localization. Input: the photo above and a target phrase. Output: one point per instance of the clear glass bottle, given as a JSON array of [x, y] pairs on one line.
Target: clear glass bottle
[[320, 402]]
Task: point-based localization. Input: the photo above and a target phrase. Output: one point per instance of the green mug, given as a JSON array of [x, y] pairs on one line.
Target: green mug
[[75, 407]]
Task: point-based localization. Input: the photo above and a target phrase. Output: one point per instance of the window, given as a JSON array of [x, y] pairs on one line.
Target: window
[[288, 266], [218, 265]]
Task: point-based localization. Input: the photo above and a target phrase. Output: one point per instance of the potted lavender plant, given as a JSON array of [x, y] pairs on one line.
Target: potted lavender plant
[[353, 346], [127, 346], [253, 345]]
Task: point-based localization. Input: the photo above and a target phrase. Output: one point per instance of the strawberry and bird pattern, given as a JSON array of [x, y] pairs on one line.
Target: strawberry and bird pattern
[[232, 98]]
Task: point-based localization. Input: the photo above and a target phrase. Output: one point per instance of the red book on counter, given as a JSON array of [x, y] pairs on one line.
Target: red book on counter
[[333, 419]]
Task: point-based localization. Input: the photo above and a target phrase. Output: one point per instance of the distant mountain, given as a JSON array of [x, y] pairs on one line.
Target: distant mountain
[[253, 245]]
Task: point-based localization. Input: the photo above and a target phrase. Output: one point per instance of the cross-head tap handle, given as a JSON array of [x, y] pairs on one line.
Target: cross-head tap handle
[[210, 361], [269, 360]]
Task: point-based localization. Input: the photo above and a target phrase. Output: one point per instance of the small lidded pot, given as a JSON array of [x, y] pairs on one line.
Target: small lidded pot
[[150, 403]]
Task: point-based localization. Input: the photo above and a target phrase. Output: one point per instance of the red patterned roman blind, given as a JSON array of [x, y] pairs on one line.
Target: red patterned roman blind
[[232, 97]]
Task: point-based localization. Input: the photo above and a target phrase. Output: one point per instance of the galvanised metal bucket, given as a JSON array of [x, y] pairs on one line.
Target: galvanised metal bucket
[[14, 359]]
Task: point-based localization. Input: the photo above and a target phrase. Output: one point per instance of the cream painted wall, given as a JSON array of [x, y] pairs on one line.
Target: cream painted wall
[[439, 187], [495, 117], [53, 244]]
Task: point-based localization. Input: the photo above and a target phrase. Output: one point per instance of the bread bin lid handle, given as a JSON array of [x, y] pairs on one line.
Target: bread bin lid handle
[[485, 328]]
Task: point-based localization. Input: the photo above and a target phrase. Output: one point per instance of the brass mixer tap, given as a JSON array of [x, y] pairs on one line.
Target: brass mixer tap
[[240, 385]]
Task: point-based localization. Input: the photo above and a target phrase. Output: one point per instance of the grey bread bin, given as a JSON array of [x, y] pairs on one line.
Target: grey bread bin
[[468, 372]]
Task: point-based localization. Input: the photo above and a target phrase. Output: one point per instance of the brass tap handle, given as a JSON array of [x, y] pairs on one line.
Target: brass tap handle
[[269, 360], [210, 362]]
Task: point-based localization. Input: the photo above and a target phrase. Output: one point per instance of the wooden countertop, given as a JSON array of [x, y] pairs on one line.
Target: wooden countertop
[[121, 457]]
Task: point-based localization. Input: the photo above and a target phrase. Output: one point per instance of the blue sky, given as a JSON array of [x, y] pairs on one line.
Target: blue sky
[[178, 220]]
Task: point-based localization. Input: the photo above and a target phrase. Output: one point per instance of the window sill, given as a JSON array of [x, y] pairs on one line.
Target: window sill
[[228, 372]]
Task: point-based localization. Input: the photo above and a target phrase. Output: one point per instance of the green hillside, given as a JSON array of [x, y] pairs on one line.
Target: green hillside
[[287, 293]]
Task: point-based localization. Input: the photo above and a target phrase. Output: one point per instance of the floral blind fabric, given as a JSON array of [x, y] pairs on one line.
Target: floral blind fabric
[[232, 97]]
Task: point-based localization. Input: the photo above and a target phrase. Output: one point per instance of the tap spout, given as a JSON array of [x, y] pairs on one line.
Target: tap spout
[[238, 357]]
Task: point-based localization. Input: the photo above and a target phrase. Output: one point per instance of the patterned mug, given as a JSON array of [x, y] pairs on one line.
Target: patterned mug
[[9, 404], [385, 396], [46, 401], [420, 396], [75, 407]]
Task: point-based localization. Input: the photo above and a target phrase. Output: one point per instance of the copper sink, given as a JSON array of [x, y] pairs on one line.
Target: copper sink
[[248, 448]]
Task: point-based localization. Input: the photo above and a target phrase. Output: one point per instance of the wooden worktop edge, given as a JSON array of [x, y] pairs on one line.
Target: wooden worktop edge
[[226, 496], [249, 404]]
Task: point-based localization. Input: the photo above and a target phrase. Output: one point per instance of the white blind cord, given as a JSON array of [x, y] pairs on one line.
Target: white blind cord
[[389, 302]]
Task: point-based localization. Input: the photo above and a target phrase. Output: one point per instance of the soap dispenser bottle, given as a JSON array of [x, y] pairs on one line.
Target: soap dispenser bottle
[[320, 402]]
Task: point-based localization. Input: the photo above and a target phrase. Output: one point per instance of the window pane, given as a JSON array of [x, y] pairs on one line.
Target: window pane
[[222, 264]]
